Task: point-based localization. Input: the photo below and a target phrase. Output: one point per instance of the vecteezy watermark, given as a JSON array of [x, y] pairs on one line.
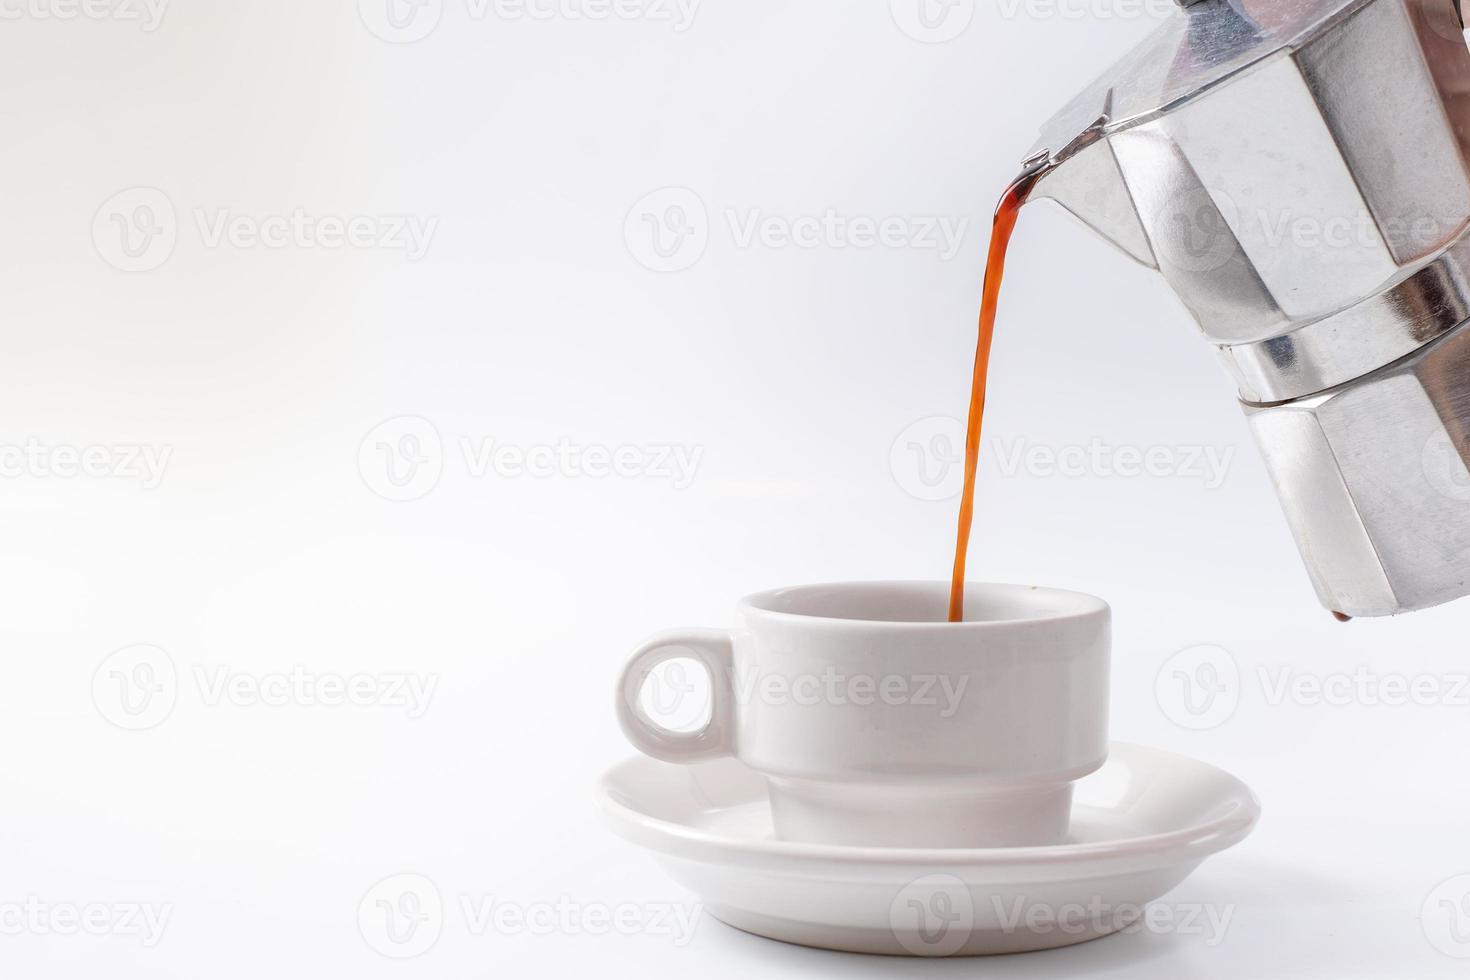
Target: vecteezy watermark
[[933, 915], [938, 21], [147, 14], [941, 234], [34, 916], [401, 21], [1090, 10], [1361, 687], [138, 687], [675, 695], [486, 915], [939, 915], [137, 230], [1201, 687], [1444, 467], [669, 230], [932, 21], [1097, 916], [409, 234], [1359, 229], [1445, 917], [407, 21], [403, 459], [43, 461], [1208, 465], [1198, 688], [403, 916], [301, 688], [838, 689], [927, 460], [1207, 229]]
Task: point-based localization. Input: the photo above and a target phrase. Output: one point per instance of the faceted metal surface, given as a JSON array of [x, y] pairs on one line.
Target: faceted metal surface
[[1188, 55], [1308, 210], [1299, 172], [1374, 481]]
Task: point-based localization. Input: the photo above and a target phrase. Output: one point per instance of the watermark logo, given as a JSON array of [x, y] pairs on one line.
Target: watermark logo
[[1199, 687], [833, 688], [679, 14], [402, 459], [674, 464], [34, 916], [37, 460], [136, 687], [1445, 468], [487, 915], [933, 21], [401, 917], [928, 458], [1446, 917], [407, 21], [401, 21], [1096, 917], [1089, 10], [1207, 465], [1204, 229], [409, 234], [404, 916], [1197, 231], [668, 230], [933, 916], [147, 14], [301, 688], [833, 230], [1362, 687], [136, 230], [677, 696]]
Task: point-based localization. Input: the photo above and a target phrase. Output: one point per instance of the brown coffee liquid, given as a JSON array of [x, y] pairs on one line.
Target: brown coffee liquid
[[1000, 239], [1006, 215]]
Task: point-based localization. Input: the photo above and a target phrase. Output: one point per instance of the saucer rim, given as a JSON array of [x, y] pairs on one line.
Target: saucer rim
[[1199, 841]]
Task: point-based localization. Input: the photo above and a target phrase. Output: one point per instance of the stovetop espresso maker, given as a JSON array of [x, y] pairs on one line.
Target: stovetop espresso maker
[[1299, 172]]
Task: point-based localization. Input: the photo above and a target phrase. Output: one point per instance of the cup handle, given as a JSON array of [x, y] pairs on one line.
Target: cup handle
[[713, 651]]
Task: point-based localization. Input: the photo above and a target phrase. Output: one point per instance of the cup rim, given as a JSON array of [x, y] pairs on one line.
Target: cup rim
[[1082, 605]]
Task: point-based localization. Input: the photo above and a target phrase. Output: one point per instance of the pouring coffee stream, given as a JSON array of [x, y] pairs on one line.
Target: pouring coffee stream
[[1006, 215]]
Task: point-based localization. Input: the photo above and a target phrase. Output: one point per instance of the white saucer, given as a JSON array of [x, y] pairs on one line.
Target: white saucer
[[1140, 825]]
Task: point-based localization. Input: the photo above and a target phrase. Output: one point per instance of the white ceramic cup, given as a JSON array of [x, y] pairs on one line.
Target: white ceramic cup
[[877, 722]]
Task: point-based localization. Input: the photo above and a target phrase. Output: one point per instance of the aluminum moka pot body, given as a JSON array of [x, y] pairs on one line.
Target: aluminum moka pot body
[[1299, 172]]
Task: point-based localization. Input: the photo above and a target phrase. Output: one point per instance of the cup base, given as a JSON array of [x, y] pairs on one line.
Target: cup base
[[903, 815]]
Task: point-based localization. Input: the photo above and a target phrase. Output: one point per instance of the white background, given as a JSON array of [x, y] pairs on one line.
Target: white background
[[534, 318]]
